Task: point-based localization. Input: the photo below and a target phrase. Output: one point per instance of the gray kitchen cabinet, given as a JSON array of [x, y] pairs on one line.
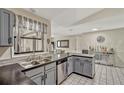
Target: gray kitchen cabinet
[[50, 77], [77, 66], [86, 68], [38, 79], [50, 66], [50, 74], [7, 22], [47, 74], [70, 65], [43, 75], [36, 74]]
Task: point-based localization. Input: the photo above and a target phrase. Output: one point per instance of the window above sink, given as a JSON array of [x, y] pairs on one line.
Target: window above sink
[[29, 36]]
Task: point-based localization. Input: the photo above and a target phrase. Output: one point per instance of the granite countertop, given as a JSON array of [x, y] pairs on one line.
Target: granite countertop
[[12, 75], [82, 55], [61, 56], [57, 57]]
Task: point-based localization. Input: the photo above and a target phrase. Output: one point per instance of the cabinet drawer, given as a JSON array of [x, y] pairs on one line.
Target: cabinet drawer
[[34, 71], [49, 66]]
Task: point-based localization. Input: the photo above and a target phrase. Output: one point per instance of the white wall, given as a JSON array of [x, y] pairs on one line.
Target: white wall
[[72, 43], [113, 39]]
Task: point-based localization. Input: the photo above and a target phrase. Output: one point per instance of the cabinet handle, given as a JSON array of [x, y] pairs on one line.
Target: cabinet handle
[[9, 40], [67, 68], [67, 64], [45, 76], [80, 63], [42, 77], [82, 67], [77, 59]]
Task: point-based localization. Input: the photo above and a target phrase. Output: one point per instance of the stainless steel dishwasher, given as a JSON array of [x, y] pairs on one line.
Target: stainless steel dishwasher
[[62, 70]]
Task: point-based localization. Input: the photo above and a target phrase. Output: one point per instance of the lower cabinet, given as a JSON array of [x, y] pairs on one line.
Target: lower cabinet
[[86, 69], [36, 74], [83, 66], [77, 67], [50, 77], [77, 64], [47, 74], [38, 79], [43, 75], [70, 65]]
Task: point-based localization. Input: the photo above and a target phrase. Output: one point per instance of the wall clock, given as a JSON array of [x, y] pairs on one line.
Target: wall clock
[[100, 39]]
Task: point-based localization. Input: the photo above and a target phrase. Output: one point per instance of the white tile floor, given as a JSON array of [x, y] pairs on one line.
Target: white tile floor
[[105, 75]]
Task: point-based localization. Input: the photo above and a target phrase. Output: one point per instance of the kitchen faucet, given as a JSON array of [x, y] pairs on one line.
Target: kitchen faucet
[[31, 57]]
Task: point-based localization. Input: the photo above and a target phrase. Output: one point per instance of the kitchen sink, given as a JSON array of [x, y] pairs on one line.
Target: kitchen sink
[[35, 62], [28, 64]]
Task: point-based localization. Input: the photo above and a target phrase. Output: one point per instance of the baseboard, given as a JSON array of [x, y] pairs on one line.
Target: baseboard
[[84, 75]]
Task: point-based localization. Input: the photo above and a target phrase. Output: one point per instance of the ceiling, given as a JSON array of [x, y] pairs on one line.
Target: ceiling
[[48, 13], [72, 21]]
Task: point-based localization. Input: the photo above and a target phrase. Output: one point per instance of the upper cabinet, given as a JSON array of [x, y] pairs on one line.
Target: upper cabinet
[[7, 22]]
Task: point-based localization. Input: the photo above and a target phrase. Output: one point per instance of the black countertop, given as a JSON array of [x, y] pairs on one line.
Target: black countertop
[[12, 75], [57, 57]]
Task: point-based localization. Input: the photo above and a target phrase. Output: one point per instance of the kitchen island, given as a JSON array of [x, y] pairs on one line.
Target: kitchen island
[[17, 74]]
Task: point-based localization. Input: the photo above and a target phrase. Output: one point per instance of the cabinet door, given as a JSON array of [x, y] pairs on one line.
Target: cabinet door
[[50, 77], [6, 27], [77, 67], [38, 79], [86, 68], [70, 65]]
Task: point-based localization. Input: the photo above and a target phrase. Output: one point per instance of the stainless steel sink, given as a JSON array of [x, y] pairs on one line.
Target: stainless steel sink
[[35, 62], [28, 64]]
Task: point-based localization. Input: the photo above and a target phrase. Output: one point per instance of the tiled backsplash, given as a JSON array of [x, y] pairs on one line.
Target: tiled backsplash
[[19, 59], [12, 61]]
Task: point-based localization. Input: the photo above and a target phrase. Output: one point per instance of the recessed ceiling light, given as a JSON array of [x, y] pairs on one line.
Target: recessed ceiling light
[[95, 29]]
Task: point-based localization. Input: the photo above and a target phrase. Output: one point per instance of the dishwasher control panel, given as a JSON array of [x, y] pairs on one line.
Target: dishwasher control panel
[[62, 61]]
